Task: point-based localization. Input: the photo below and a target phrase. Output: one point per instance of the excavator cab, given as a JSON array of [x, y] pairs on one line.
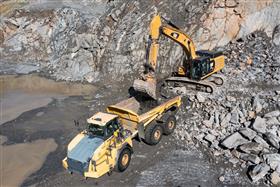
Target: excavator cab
[[201, 67], [206, 63]]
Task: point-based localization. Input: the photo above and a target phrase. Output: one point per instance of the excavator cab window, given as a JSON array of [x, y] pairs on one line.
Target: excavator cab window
[[201, 67]]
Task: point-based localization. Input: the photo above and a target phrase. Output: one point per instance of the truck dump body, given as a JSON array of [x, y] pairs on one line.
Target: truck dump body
[[131, 120]]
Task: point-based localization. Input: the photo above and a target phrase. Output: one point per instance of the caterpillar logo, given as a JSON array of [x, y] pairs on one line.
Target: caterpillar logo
[[174, 35]]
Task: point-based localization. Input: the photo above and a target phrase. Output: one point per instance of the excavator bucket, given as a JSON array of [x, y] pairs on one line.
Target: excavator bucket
[[147, 87]]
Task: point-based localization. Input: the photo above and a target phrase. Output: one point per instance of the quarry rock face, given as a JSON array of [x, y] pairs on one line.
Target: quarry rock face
[[82, 42], [106, 41], [234, 19]]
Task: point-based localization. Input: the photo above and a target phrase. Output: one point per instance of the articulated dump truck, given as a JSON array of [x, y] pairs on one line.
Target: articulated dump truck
[[106, 144]]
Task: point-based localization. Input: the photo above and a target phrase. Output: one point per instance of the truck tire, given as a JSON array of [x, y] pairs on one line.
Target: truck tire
[[124, 159], [169, 125], [153, 134]]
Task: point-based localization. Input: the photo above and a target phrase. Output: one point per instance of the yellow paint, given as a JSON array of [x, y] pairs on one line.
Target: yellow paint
[[64, 163], [106, 155], [76, 140], [219, 65], [181, 71], [155, 27], [180, 37], [126, 114], [101, 118], [106, 159], [154, 34]]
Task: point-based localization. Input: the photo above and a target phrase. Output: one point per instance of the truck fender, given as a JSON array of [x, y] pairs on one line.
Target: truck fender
[[126, 145]]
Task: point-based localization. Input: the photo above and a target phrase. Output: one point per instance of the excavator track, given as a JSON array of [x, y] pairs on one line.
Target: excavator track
[[203, 85], [217, 79]]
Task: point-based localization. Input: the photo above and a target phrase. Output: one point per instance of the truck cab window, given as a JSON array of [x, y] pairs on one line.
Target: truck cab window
[[112, 126], [95, 130]]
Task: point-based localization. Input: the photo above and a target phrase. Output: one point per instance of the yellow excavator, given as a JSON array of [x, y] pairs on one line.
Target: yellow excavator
[[199, 70]]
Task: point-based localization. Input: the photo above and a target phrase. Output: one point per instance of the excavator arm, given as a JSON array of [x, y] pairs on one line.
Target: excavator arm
[[172, 32]]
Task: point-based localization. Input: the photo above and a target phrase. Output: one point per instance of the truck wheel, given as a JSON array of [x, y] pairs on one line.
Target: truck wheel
[[124, 159], [169, 125], [153, 134]]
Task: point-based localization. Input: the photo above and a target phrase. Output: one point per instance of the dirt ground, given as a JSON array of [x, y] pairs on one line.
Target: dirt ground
[[18, 161], [166, 164]]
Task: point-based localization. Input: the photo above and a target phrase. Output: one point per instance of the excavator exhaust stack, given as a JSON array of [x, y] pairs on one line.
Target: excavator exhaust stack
[[147, 87]]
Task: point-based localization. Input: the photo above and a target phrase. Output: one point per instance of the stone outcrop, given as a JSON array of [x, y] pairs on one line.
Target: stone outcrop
[[85, 41]]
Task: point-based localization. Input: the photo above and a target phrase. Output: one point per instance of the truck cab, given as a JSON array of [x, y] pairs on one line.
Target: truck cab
[[92, 152], [103, 125]]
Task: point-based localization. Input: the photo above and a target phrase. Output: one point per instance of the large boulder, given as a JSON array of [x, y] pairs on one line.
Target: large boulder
[[256, 102], [273, 160], [259, 125], [261, 141], [233, 141], [258, 172], [251, 147], [272, 121], [248, 133], [234, 118], [274, 113], [254, 159], [200, 97], [226, 120], [272, 139], [275, 178]]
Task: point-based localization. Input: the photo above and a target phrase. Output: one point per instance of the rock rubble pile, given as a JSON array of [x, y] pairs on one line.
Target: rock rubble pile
[[241, 120]]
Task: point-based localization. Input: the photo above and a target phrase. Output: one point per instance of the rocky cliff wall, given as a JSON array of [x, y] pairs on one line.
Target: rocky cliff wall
[[92, 39]]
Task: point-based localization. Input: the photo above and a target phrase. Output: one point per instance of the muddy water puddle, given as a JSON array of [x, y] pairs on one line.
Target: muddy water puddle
[[37, 84], [24, 93], [18, 161], [34, 111]]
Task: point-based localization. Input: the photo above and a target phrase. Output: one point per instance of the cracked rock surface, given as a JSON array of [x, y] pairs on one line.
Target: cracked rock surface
[[101, 40], [98, 39]]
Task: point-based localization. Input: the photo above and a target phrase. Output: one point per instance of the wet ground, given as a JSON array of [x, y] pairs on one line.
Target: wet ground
[[24, 93], [25, 158], [166, 164]]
